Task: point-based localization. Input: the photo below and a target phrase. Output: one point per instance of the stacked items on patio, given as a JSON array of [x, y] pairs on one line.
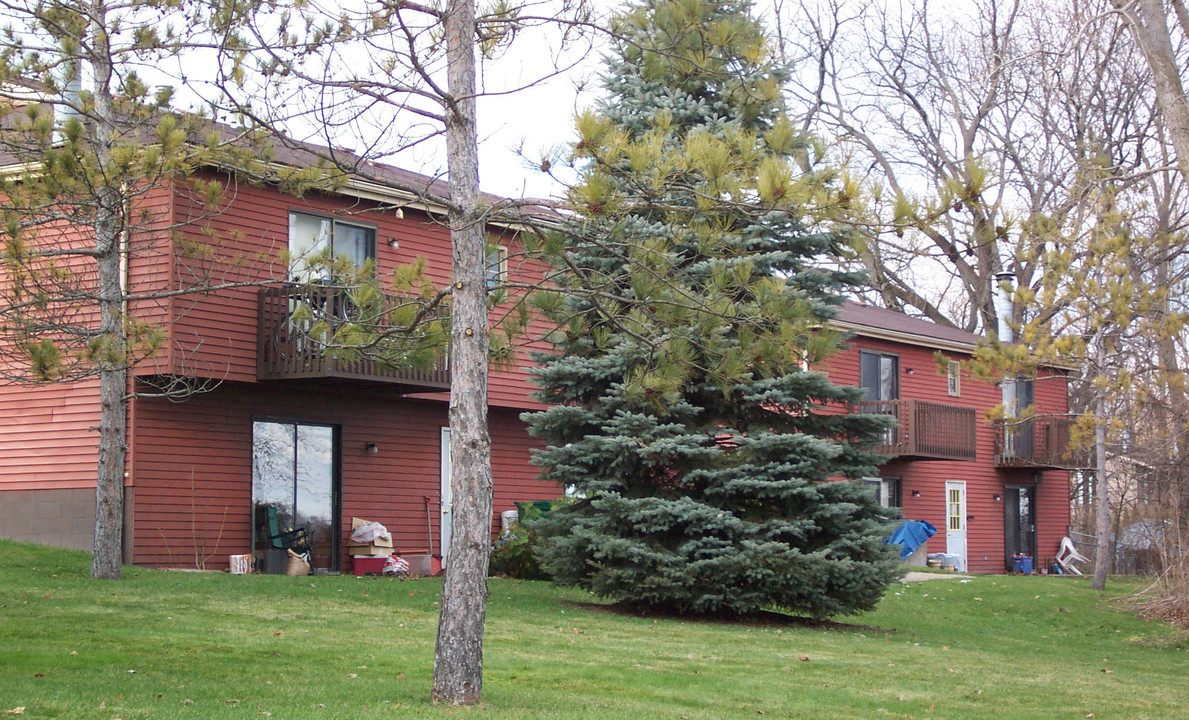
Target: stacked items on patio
[[369, 539]]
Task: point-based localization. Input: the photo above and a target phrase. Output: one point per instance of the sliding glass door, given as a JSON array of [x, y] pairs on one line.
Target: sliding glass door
[[295, 491]]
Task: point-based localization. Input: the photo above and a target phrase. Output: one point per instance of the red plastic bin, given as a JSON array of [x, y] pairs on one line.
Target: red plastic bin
[[365, 565]]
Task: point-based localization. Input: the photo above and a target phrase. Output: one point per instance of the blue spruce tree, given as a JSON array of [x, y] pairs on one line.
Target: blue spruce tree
[[695, 283]]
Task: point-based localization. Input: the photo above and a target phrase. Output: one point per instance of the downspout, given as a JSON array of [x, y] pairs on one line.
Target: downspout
[[129, 425]]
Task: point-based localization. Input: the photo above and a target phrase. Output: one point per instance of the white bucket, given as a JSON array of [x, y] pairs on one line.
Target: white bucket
[[240, 564]]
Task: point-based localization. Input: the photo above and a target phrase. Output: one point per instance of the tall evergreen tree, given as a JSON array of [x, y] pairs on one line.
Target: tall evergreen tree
[[694, 288]]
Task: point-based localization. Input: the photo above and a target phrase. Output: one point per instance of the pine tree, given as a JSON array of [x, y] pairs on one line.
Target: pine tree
[[694, 285]]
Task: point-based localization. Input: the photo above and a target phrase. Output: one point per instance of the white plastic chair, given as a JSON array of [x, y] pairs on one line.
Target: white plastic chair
[[1068, 556]]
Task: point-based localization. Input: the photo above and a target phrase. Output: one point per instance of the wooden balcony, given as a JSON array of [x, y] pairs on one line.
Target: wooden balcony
[[1041, 441], [286, 349], [926, 430]]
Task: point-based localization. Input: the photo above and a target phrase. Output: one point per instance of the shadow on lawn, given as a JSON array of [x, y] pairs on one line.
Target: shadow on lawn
[[764, 618]]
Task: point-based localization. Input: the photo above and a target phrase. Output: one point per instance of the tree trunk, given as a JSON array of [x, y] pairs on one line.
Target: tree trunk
[[1149, 27], [1102, 557], [107, 556], [458, 661]]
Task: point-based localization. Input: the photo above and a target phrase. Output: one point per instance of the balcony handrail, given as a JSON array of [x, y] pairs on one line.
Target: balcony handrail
[[287, 348], [927, 429], [1039, 441]]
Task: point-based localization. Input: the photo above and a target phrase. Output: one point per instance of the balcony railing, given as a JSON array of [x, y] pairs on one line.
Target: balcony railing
[[1041, 441], [288, 350], [926, 429]]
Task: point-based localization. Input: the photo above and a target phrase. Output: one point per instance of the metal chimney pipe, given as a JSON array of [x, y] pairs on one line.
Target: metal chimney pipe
[[1005, 290], [67, 107]]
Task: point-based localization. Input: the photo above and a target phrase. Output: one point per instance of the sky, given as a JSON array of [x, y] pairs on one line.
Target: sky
[[529, 112]]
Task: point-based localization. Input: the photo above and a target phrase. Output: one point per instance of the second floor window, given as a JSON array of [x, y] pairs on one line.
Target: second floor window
[[879, 375], [954, 379], [1024, 397], [497, 266], [315, 236]]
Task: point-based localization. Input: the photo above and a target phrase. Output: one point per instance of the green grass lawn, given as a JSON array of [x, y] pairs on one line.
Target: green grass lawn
[[169, 644]]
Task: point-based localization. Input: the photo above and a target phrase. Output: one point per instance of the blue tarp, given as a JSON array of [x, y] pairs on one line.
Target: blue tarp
[[910, 536]]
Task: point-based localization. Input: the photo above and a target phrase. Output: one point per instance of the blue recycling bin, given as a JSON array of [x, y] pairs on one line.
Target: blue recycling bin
[[1021, 564]]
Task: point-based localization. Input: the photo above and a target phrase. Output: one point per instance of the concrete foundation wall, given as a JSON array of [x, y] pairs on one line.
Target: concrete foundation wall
[[63, 518]]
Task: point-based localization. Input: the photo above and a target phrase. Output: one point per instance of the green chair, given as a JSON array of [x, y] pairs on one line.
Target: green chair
[[298, 540]]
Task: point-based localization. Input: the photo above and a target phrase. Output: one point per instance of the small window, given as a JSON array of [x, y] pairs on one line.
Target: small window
[[312, 235], [954, 377], [887, 491], [497, 266]]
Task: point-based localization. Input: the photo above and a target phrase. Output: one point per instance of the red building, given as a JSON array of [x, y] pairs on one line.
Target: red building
[[993, 490], [288, 436]]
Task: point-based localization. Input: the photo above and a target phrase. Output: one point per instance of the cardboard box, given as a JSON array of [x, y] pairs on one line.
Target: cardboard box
[[357, 523], [368, 550]]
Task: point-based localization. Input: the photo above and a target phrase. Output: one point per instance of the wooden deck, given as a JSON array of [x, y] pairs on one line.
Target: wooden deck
[[288, 348], [926, 430], [1041, 441]]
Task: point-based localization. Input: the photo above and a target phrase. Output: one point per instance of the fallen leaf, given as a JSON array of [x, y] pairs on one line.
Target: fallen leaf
[[1090, 715], [1107, 671], [277, 634], [38, 675], [978, 692], [74, 652], [1062, 610], [352, 676], [231, 701], [16, 711], [804, 658]]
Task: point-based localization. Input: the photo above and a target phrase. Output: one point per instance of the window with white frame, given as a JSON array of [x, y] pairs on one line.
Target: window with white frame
[[954, 378], [887, 490], [497, 265], [315, 237]]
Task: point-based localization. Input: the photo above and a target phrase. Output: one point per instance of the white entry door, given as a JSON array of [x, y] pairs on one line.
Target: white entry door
[[447, 495], [955, 521]]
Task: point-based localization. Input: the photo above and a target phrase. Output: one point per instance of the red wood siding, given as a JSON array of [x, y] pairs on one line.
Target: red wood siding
[[208, 438], [215, 334], [48, 439]]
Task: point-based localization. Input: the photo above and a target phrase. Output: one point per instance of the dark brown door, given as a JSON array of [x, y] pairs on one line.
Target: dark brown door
[[1019, 523]]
